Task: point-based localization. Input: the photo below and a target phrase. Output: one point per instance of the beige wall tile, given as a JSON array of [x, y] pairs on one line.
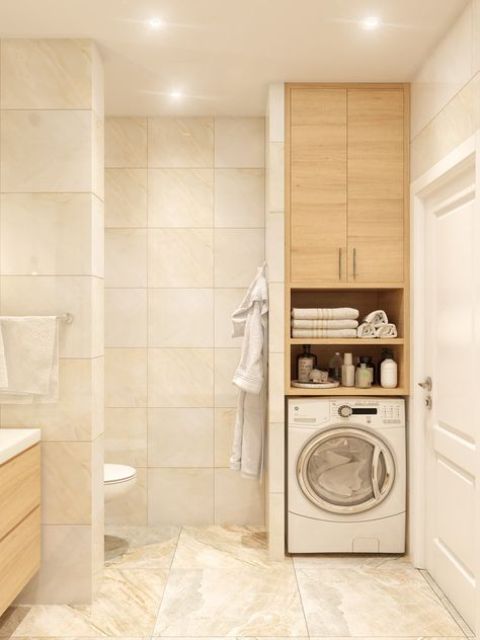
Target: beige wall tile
[[125, 142], [98, 156], [276, 457], [98, 83], [125, 317], [126, 436], [274, 246], [126, 197], [66, 483], [238, 253], [276, 526], [126, 377], [180, 258], [54, 295], [98, 237], [226, 362], [48, 234], [69, 419], [276, 177], [64, 576], [46, 74], [239, 198], [224, 425], [226, 302], [46, 151], [125, 258], [180, 377], [276, 112], [180, 438], [131, 508], [97, 320], [180, 496], [237, 500], [180, 142], [180, 318], [276, 317], [98, 510], [180, 197], [98, 396], [239, 142], [276, 384]]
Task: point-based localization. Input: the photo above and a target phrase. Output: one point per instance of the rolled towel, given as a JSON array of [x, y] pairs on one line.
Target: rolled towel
[[324, 324], [324, 333], [376, 317], [388, 330], [342, 313], [366, 330]]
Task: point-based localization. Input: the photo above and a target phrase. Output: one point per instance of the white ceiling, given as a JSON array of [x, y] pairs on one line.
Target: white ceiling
[[222, 54]]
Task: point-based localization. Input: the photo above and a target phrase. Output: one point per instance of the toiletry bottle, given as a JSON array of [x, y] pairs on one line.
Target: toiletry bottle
[[306, 361], [335, 367], [368, 361], [389, 374], [386, 353], [363, 377], [348, 371]]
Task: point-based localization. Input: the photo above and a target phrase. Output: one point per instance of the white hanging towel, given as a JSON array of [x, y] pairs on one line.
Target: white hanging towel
[[250, 321]]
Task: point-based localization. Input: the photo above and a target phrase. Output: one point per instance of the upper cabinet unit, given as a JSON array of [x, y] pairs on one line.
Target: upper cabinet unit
[[347, 167]]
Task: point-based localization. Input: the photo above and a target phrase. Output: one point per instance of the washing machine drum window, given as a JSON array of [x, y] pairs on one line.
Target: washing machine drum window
[[346, 470]]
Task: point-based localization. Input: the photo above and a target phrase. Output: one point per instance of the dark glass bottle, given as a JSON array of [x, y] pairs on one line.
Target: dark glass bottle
[[306, 361]]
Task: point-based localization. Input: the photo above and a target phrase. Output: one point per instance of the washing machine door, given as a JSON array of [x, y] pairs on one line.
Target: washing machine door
[[346, 470]]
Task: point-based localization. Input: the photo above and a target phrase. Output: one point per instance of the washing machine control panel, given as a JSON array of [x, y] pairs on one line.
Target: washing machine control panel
[[345, 411], [387, 412]]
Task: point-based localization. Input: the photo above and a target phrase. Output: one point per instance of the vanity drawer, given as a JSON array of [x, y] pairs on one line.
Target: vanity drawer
[[19, 488], [19, 558]]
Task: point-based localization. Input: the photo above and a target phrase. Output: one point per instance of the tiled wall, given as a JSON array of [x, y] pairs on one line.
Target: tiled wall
[[184, 235], [446, 93], [51, 234], [275, 256]]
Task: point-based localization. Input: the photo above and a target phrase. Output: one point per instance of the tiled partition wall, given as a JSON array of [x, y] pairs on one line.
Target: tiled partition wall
[[184, 235], [275, 256], [51, 214]]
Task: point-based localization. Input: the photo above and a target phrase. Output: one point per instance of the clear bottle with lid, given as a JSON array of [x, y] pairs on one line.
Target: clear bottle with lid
[[335, 367]]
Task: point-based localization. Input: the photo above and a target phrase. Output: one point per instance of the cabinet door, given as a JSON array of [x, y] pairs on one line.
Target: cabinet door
[[318, 185], [376, 185]]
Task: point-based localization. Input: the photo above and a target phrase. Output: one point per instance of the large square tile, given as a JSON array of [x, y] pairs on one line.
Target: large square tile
[[131, 508], [125, 258], [126, 436], [125, 142], [231, 602], [140, 547], [224, 427], [180, 496], [226, 302], [180, 317], [180, 438], [125, 317], [275, 246], [238, 500], [180, 198], [240, 142], [180, 142], [276, 177], [126, 197], [239, 198], [238, 253], [276, 317], [125, 377], [180, 258], [180, 377], [226, 363]]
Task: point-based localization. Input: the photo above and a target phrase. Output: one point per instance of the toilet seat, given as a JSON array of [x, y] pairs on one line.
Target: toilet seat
[[118, 473]]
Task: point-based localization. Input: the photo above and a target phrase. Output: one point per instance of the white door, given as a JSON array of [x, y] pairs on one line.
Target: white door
[[451, 288]]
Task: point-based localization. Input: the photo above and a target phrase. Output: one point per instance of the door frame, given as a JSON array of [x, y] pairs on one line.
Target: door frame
[[467, 151]]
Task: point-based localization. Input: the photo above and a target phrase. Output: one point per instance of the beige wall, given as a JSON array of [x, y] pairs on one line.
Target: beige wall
[[184, 235], [51, 215], [446, 93]]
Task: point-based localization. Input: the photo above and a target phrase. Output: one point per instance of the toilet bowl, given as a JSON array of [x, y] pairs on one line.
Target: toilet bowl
[[118, 479]]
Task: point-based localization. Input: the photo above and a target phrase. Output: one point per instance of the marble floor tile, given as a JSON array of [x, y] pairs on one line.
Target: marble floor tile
[[223, 548], [140, 547], [371, 601], [346, 561], [126, 605], [231, 602]]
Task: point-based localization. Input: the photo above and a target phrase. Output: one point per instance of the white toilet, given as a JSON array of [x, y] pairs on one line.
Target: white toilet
[[118, 479]]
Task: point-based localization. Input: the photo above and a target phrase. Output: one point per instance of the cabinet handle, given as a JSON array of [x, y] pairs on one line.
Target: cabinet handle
[[340, 263], [354, 264]]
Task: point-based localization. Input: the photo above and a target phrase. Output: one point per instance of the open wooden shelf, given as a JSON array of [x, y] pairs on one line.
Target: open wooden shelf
[[348, 391], [377, 342], [345, 285]]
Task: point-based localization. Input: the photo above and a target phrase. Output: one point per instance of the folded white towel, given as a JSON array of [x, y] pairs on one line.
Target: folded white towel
[[366, 330], [324, 324], [31, 357], [343, 313], [324, 333], [388, 330], [376, 317]]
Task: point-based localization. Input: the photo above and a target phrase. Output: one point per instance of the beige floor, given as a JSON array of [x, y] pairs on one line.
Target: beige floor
[[217, 582]]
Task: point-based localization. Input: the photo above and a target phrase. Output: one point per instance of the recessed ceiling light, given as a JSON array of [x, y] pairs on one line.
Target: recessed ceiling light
[[155, 23], [175, 95], [371, 23]]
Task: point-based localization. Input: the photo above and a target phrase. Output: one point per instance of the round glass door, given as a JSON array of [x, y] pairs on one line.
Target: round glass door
[[346, 470]]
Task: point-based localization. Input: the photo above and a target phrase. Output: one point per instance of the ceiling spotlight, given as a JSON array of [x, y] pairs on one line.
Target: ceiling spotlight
[[175, 95], [155, 23], [371, 23]]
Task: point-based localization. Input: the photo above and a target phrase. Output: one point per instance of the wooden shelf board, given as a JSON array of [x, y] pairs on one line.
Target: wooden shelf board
[[347, 391], [350, 341], [346, 285]]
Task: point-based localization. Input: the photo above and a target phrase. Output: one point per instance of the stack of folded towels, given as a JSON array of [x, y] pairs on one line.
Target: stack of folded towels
[[376, 325], [325, 323]]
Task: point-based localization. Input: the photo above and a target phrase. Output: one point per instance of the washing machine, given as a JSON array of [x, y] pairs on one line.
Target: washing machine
[[346, 475]]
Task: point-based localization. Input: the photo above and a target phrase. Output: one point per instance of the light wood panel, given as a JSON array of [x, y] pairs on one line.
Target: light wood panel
[[19, 488], [19, 558]]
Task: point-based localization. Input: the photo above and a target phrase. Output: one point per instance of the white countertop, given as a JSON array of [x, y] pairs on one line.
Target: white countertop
[[14, 441]]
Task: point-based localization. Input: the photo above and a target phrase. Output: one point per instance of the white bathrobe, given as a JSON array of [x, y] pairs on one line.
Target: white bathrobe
[[250, 321]]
